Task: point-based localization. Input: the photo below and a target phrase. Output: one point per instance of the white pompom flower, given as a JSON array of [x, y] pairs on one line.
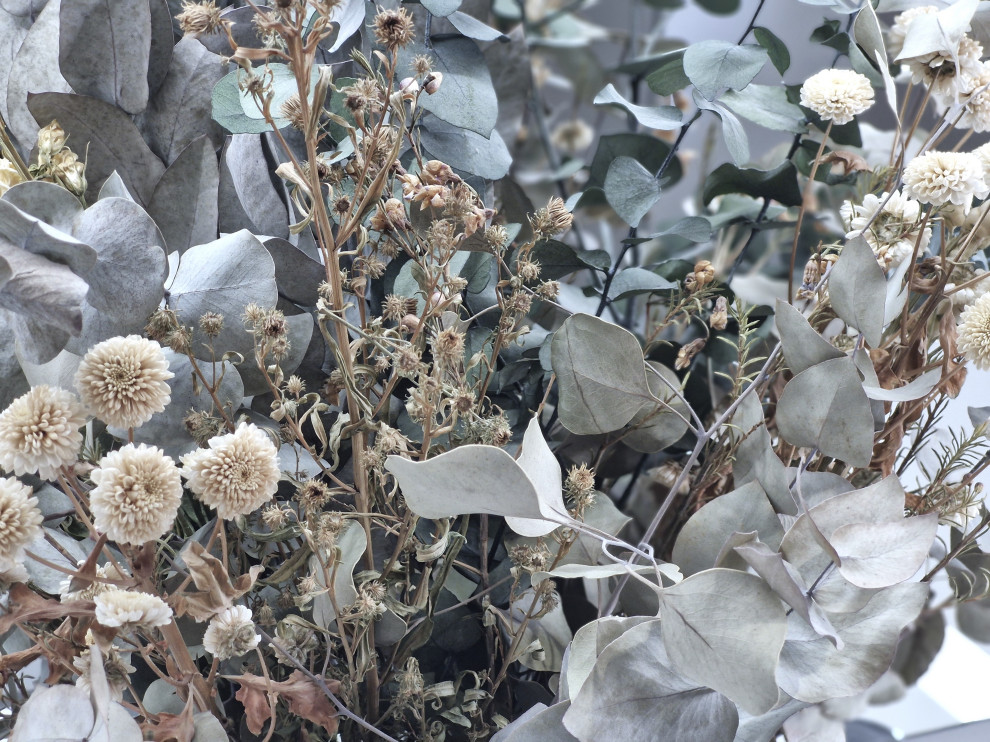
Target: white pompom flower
[[130, 609], [837, 95], [940, 178], [20, 522], [231, 633], [39, 432], [974, 332]]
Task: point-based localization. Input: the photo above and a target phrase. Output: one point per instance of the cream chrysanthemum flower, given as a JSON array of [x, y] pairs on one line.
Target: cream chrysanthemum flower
[[939, 178], [892, 231], [39, 432], [231, 633], [974, 332], [122, 381], [237, 474], [965, 296], [976, 111], [20, 521], [129, 609], [837, 95], [947, 72], [107, 572], [137, 495], [9, 175]]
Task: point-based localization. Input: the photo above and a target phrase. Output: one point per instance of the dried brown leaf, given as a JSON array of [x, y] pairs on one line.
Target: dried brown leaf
[[216, 591], [305, 698], [850, 161], [26, 605]]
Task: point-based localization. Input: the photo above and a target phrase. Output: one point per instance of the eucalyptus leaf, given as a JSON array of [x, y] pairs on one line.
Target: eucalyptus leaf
[[779, 183], [724, 629], [634, 281], [106, 135], [745, 509], [858, 289], [180, 111], [441, 7], [121, 30], [634, 693], [473, 28], [803, 347], [247, 199], [600, 373], [588, 643], [465, 150], [114, 187], [915, 389], [466, 97], [52, 206], [59, 712], [630, 189], [766, 105], [162, 42], [485, 479], [659, 425], [882, 554], [669, 76], [714, 66], [655, 117], [350, 546], [348, 17], [184, 202], [733, 133], [825, 407], [776, 49], [927, 35], [538, 724]]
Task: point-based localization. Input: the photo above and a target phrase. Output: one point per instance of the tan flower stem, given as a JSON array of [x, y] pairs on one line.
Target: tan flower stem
[[911, 272], [212, 392], [177, 646], [10, 152], [804, 207]]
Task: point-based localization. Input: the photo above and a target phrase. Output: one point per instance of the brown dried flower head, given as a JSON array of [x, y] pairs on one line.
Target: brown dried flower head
[[394, 29], [720, 314], [292, 110], [687, 353], [199, 18]]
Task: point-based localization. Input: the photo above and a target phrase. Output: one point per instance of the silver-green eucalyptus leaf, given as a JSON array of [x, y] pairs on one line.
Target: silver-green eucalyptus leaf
[[184, 202], [743, 510], [766, 105], [121, 31], [657, 426], [857, 289], [882, 554], [825, 407], [51, 204], [350, 546], [588, 643], [724, 629], [600, 373], [247, 198], [652, 117], [630, 189], [539, 724], [634, 693], [714, 66], [803, 347], [115, 187]]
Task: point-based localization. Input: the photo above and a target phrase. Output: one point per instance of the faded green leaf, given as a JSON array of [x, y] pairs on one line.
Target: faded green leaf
[[724, 629], [630, 189], [857, 289], [652, 117], [714, 66], [184, 202], [780, 183], [634, 281], [349, 546], [600, 373], [466, 150], [776, 49], [633, 693], [657, 426], [882, 554], [803, 347], [766, 105], [733, 133], [825, 407]]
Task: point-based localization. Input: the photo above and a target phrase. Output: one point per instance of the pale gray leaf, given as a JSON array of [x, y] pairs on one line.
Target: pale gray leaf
[[114, 187], [543, 471], [181, 110], [349, 546], [13, 382], [858, 289], [634, 281], [348, 17], [298, 275], [48, 578], [539, 724], [44, 292], [121, 31], [630, 189], [724, 629], [106, 135], [28, 232], [162, 41], [633, 693], [60, 371], [466, 97], [733, 133], [784, 580], [743, 510], [442, 7], [755, 457], [53, 206], [882, 554], [764, 728], [825, 407], [35, 68], [813, 670], [473, 28], [657, 426], [60, 713], [926, 34], [13, 29], [600, 375], [713, 66], [652, 117], [916, 389], [588, 643], [127, 283], [208, 728], [184, 203], [766, 105], [803, 347], [223, 276], [466, 150], [248, 199]]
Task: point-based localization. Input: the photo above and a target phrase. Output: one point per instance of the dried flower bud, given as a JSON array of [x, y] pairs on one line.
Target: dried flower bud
[[211, 324], [409, 87], [407, 361], [161, 324], [51, 139], [703, 274], [687, 353], [313, 495], [580, 482], [548, 290], [448, 347], [292, 110], [394, 29], [433, 83], [397, 307], [179, 340], [496, 236], [720, 314], [295, 386], [274, 324], [199, 18], [390, 215], [68, 170], [9, 175], [528, 270], [422, 64]]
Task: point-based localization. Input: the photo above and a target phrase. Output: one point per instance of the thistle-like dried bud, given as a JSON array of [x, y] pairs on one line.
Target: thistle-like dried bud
[[394, 29], [448, 347], [703, 274], [422, 64], [390, 215], [528, 270], [292, 110], [433, 83], [496, 236], [720, 314], [211, 324], [397, 307], [552, 219], [548, 290], [687, 353], [161, 324], [199, 18]]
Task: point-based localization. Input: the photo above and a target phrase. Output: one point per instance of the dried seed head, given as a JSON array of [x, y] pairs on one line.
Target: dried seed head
[[211, 324], [703, 274], [199, 18], [548, 290], [463, 400], [295, 386], [201, 426], [580, 482], [496, 236], [292, 110], [687, 353], [161, 324], [51, 139], [422, 64], [394, 29], [274, 325], [397, 307], [179, 340], [313, 495], [448, 347], [407, 361], [528, 270], [390, 215], [720, 314]]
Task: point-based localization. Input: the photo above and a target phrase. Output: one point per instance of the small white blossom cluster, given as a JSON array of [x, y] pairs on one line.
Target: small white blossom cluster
[[892, 225], [231, 633], [974, 332]]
